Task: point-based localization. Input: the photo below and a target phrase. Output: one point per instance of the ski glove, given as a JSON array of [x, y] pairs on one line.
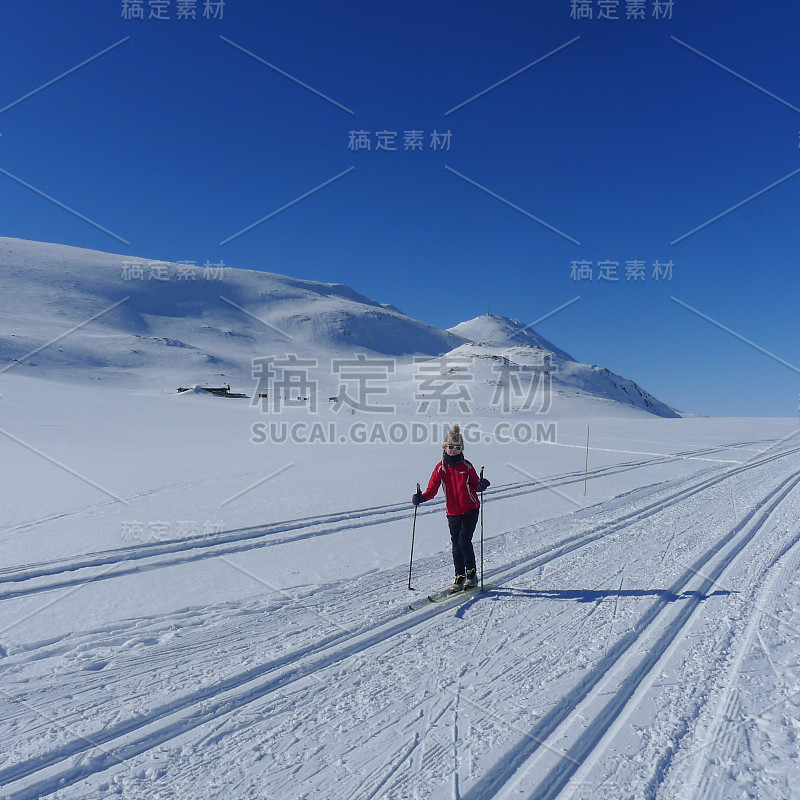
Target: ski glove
[[417, 498], [483, 484]]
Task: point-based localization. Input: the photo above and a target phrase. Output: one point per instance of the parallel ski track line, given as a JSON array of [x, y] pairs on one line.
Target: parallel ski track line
[[196, 709], [558, 777], [601, 531], [721, 729], [243, 540]]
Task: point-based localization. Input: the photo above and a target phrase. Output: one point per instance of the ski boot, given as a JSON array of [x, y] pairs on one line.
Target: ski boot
[[471, 580], [458, 584]]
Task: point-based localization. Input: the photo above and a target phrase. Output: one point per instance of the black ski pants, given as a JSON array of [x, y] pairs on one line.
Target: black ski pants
[[462, 527]]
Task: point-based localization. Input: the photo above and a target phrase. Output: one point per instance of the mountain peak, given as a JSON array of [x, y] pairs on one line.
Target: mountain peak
[[493, 329]]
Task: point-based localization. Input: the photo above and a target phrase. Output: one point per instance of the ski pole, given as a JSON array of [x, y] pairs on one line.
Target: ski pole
[[413, 531], [482, 531], [586, 468]]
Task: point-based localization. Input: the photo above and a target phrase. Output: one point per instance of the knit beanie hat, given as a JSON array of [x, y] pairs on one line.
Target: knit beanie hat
[[454, 437]]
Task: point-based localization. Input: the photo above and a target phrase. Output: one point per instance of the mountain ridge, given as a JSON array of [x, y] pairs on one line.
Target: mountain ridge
[[72, 314]]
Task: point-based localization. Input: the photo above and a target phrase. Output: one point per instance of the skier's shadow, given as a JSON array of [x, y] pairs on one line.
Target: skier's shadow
[[596, 595], [587, 595]]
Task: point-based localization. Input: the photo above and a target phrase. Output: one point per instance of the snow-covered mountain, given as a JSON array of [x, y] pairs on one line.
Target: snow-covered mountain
[[80, 315], [530, 373], [144, 319], [495, 330]]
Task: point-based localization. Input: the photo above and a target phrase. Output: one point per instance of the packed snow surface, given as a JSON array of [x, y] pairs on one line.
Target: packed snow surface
[[188, 612]]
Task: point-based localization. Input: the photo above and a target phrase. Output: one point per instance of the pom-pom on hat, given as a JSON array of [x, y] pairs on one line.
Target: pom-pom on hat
[[454, 437]]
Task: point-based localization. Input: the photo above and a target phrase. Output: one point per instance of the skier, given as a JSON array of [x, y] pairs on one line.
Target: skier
[[461, 485]]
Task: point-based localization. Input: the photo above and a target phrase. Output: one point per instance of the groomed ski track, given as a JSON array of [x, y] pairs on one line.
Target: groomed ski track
[[20, 581], [423, 754]]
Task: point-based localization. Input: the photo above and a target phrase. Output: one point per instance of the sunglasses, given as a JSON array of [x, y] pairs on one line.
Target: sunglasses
[[454, 446]]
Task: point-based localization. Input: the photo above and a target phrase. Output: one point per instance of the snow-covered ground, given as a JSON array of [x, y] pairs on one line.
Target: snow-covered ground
[[188, 612], [207, 597]]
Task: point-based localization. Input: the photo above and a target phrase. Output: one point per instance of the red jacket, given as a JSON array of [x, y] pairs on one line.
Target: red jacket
[[460, 485]]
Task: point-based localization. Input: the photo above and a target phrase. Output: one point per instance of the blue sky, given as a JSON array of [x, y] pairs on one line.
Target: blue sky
[[599, 140]]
